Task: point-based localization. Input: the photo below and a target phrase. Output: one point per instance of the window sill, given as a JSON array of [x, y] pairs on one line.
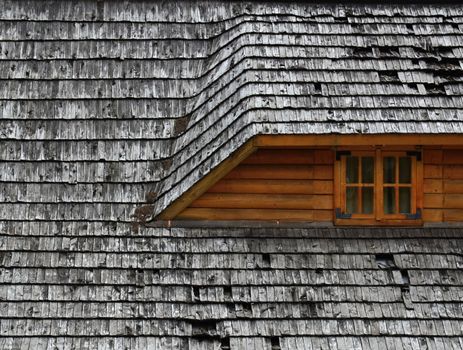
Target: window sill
[[372, 222]]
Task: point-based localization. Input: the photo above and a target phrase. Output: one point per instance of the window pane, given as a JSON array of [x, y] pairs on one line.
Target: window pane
[[352, 170], [351, 200], [405, 200], [367, 200], [405, 170], [389, 200], [389, 170], [368, 170]]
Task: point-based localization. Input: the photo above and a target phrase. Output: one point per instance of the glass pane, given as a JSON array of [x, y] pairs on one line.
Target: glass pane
[[352, 170], [389, 170], [389, 200], [367, 200], [351, 200], [368, 170], [405, 170], [405, 200]]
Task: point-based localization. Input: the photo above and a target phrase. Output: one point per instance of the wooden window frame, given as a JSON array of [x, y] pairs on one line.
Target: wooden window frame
[[378, 217]]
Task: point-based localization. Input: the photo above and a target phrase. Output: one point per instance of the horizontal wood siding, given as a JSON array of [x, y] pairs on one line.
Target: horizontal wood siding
[[443, 185], [297, 185], [271, 184]]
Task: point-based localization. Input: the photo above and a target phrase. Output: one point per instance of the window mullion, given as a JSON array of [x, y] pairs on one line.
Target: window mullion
[[359, 189], [378, 190], [396, 185]]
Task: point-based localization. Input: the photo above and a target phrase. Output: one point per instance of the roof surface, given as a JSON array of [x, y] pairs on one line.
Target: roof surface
[[85, 284], [105, 106], [156, 94]]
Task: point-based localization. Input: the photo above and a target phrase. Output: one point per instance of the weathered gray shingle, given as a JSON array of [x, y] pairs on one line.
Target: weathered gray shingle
[[205, 286]]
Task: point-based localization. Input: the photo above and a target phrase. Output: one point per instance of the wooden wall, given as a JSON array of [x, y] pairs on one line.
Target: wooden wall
[[272, 184], [297, 184], [443, 185]]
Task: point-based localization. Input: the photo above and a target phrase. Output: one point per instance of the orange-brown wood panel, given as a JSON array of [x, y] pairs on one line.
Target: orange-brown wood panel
[[281, 156], [272, 184], [452, 157], [453, 186], [432, 171], [453, 172], [272, 171], [263, 201], [453, 215], [433, 215], [275, 186], [247, 214], [433, 200], [433, 185], [453, 201], [297, 185], [432, 156]]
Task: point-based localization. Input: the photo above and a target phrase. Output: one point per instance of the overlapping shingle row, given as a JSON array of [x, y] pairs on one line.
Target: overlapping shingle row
[[206, 288]]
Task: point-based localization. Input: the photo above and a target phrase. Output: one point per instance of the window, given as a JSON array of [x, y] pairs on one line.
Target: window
[[378, 187]]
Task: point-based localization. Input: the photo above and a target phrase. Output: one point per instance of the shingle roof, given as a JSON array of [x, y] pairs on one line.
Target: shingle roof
[[185, 288], [104, 104]]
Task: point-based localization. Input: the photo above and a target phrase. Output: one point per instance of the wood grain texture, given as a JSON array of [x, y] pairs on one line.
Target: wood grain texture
[[263, 201], [274, 186], [272, 181], [253, 214]]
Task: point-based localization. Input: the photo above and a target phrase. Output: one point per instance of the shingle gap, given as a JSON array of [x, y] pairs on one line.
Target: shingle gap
[[266, 261], [195, 293], [227, 293], [405, 277], [362, 52], [388, 76], [385, 261], [225, 343], [275, 343], [204, 329], [435, 89]]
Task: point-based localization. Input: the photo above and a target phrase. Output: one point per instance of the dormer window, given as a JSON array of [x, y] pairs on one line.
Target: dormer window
[[378, 187]]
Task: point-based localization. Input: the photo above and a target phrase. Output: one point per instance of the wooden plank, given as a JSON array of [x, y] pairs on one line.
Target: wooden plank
[[453, 215], [452, 156], [280, 156], [433, 215], [453, 172], [358, 140], [324, 156], [433, 186], [453, 201], [273, 186], [433, 201], [323, 172], [323, 215], [432, 171], [207, 181], [272, 172], [246, 214], [432, 156], [262, 201], [453, 186]]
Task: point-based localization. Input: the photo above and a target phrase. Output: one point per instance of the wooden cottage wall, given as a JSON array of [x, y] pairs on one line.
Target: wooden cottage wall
[[272, 184], [297, 184], [443, 185]]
